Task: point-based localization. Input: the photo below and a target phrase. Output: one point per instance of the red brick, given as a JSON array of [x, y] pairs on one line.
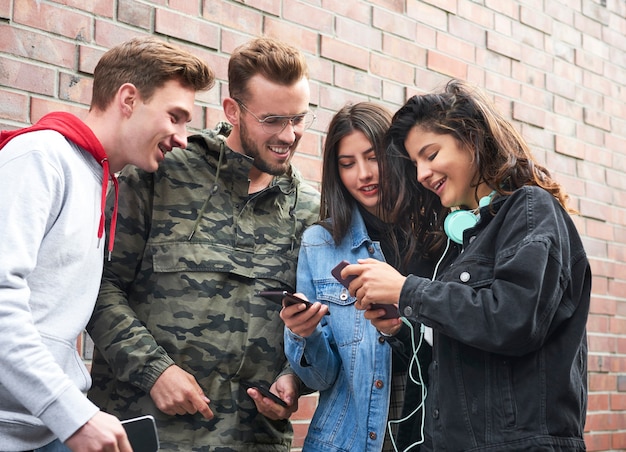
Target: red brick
[[109, 34], [404, 50], [21, 75], [359, 81], [598, 402], [504, 45], [184, 6], [396, 6], [598, 362], [493, 63], [436, 14], [455, 47], [39, 107], [103, 8], [344, 52], [446, 5], [602, 343], [356, 10], [186, 28], [5, 9], [477, 14], [306, 39], [75, 88], [449, 66], [467, 31], [597, 441], [536, 19], [597, 119], [316, 18], [311, 172], [48, 17], [88, 58], [569, 146], [529, 114], [389, 68], [14, 106], [394, 23], [37, 46], [134, 13], [359, 34], [617, 403], [231, 15]]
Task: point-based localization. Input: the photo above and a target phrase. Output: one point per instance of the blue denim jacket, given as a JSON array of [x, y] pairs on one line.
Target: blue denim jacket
[[345, 359]]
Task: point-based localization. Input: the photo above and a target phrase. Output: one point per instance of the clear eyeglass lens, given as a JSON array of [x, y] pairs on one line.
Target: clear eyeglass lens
[[276, 124]]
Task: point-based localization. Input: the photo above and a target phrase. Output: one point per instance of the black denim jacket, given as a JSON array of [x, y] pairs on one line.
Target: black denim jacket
[[509, 368]]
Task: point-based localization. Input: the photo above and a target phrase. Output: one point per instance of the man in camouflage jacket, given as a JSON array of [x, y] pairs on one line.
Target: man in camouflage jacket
[[178, 324]]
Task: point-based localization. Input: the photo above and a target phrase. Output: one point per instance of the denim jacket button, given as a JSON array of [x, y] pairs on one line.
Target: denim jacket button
[[344, 295], [370, 249], [464, 276], [381, 340], [373, 436], [379, 384]]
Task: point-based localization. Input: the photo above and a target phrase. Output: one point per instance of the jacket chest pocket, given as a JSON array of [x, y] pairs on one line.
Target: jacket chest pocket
[[476, 272], [346, 321]]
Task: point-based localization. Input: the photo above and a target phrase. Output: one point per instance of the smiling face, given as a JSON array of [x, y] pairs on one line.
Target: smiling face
[[158, 125], [271, 152], [358, 169], [444, 167]]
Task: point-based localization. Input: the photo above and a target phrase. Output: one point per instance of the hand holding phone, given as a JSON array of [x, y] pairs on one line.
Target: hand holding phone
[[265, 391], [336, 272], [391, 312], [142, 433], [277, 296]]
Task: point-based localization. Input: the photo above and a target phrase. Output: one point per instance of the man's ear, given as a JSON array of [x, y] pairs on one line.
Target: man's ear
[[127, 98], [231, 110]]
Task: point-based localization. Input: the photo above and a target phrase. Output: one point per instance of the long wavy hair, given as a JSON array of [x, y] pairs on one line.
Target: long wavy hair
[[502, 156]]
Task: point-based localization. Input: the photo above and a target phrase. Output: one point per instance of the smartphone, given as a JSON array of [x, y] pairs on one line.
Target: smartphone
[[265, 391], [142, 433], [336, 272], [391, 311], [277, 296]]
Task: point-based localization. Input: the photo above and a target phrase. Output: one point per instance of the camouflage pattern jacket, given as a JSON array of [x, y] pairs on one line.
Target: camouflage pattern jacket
[[168, 299]]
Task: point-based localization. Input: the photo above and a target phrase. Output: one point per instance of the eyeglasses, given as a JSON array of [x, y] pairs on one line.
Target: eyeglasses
[[276, 124]]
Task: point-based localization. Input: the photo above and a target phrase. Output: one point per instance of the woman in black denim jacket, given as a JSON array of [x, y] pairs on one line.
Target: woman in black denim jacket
[[509, 369]]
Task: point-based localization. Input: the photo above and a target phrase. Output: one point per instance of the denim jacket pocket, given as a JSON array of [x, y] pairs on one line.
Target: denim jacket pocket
[[343, 312]]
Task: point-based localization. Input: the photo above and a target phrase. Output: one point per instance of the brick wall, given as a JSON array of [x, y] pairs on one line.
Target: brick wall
[[557, 68]]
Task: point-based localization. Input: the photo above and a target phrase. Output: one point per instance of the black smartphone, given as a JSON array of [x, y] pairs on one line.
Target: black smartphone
[[277, 296], [391, 311], [336, 272], [142, 433], [265, 391]]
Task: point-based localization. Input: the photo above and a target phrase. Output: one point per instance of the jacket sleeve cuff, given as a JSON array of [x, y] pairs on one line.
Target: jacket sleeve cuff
[[69, 412], [152, 372], [410, 296]]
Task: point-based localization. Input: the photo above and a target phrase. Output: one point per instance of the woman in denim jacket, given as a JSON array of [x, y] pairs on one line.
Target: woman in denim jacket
[[342, 355], [509, 369]]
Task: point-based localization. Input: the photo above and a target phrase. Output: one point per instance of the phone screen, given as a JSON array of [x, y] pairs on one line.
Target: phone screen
[[265, 391], [142, 433]]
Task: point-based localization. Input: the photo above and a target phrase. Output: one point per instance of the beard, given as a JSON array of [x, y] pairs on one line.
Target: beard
[[251, 149]]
